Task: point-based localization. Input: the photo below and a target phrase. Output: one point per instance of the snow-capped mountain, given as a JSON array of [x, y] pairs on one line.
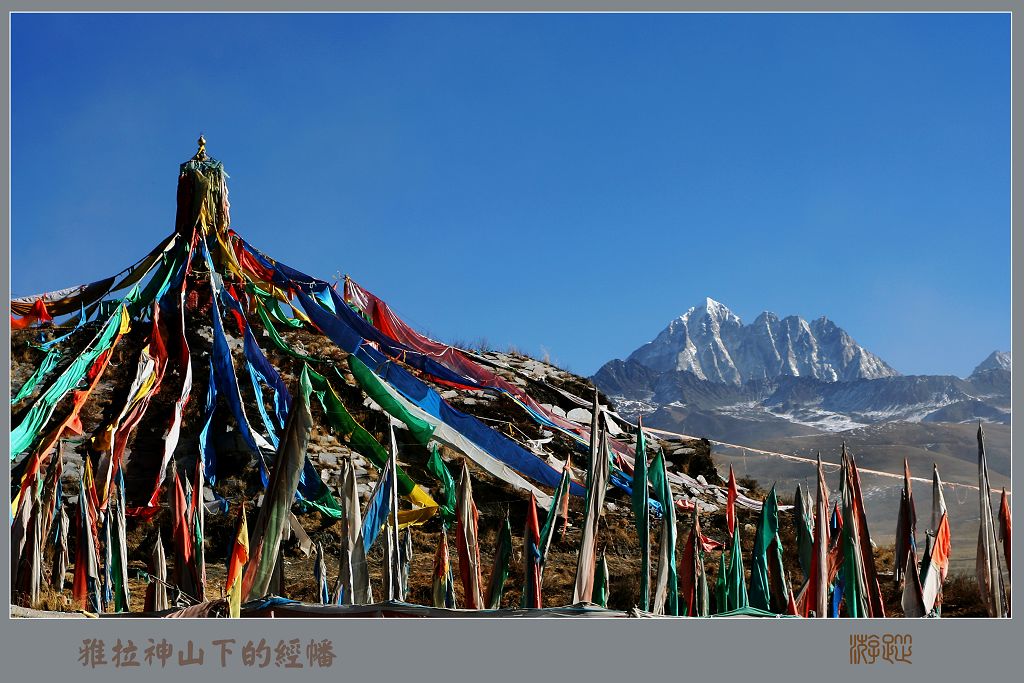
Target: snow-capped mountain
[[997, 360], [708, 373], [789, 386], [712, 342]]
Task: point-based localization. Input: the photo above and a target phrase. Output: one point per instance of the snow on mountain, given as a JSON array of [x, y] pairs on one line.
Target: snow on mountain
[[712, 342], [997, 360], [708, 370], [768, 407]]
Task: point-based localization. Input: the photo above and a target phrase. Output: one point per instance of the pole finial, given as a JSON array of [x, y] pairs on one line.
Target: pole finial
[[201, 154]]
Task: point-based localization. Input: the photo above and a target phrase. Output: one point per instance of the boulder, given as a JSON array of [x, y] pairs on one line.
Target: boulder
[[579, 416]]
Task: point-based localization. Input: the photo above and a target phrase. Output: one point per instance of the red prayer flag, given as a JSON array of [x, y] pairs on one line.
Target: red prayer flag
[[730, 508], [38, 314], [1005, 528], [531, 555]]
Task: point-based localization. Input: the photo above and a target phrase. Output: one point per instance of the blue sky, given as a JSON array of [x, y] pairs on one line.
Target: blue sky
[[566, 184]]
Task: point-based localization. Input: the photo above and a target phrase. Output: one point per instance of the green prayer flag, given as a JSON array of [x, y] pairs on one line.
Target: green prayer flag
[[667, 592], [39, 414], [268, 305], [737, 597], [766, 542], [721, 587], [548, 530], [275, 336], [421, 430], [601, 586], [499, 570], [48, 364], [641, 516], [342, 422], [436, 466]]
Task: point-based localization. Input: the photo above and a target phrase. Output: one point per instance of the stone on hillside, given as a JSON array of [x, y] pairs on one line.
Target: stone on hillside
[[73, 465], [579, 416]]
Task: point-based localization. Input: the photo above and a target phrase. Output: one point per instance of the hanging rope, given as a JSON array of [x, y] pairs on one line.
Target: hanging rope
[[830, 466]]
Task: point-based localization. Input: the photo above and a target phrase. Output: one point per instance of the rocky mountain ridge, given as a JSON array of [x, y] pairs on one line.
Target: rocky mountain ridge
[[787, 373], [712, 342]]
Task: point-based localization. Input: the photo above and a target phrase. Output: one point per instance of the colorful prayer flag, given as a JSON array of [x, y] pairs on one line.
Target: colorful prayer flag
[[597, 486], [666, 593], [990, 578], [236, 564], [466, 542], [499, 570], [532, 558], [641, 514]]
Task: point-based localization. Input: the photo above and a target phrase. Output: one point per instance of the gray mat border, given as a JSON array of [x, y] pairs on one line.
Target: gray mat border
[[549, 649]]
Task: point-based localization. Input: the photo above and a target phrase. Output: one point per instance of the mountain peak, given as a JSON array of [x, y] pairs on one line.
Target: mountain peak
[[997, 360], [712, 342], [711, 304], [713, 309]]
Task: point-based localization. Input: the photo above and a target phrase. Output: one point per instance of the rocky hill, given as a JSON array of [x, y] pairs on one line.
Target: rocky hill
[[240, 483]]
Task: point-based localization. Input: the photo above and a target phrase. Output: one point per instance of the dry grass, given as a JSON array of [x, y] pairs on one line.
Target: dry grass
[[961, 598], [53, 601]]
